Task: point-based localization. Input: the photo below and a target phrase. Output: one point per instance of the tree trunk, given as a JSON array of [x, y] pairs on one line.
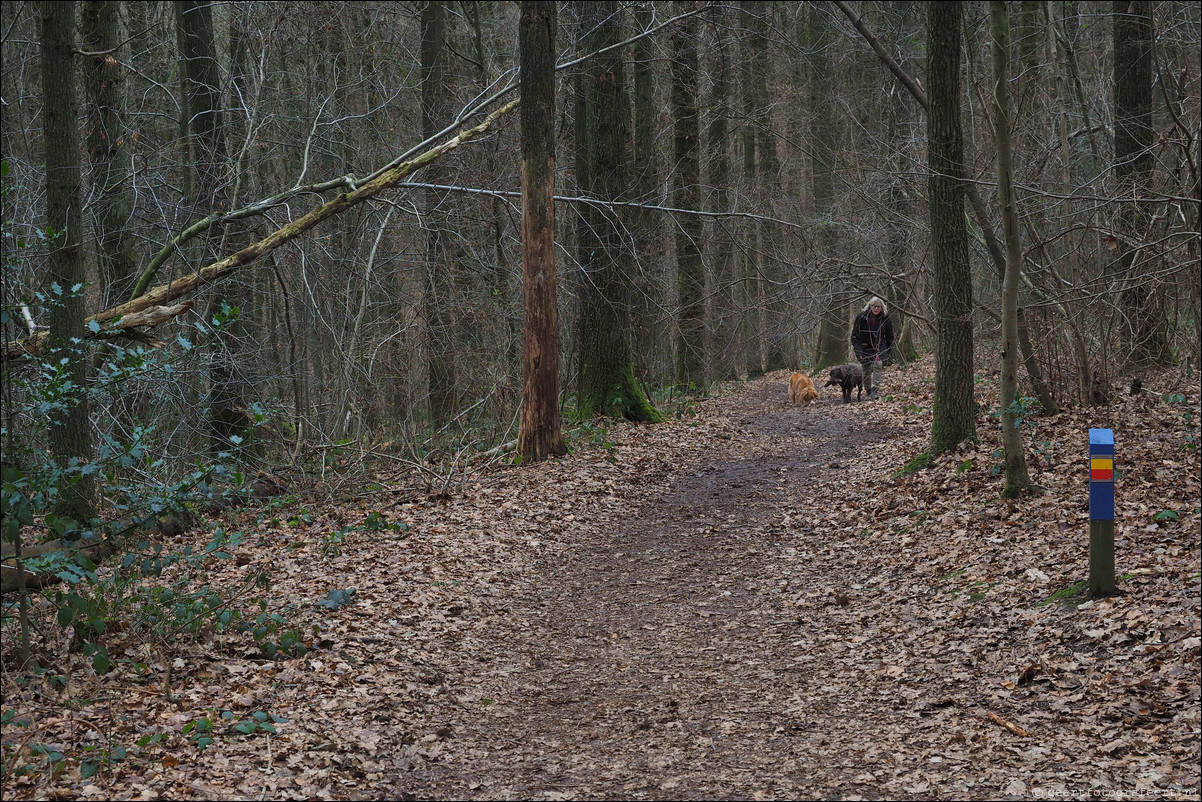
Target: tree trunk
[[539, 433], [778, 326], [724, 314], [608, 384], [652, 331], [1134, 137], [690, 272], [1018, 481], [106, 147], [900, 260], [954, 409], [70, 433], [201, 74], [833, 332], [751, 301]]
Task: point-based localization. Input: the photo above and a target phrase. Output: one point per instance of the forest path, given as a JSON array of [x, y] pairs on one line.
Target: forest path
[[662, 654], [743, 602]]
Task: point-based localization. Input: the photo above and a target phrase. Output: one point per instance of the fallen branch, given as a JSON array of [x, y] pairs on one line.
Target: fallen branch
[[1008, 725], [165, 293], [11, 575]]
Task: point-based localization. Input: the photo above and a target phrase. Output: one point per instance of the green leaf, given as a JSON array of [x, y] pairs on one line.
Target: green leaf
[[88, 768], [65, 616], [100, 661]]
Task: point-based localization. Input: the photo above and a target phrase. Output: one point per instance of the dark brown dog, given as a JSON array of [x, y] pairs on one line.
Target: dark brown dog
[[848, 376]]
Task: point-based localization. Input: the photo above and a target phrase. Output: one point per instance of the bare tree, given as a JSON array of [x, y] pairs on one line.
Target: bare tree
[[107, 151], [438, 290], [833, 329], [1134, 138], [724, 312], [1018, 480], [690, 272]]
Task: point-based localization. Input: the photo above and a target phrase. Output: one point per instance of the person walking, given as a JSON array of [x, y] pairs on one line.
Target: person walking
[[872, 342]]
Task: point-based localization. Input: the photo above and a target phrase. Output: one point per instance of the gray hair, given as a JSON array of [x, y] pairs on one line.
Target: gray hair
[[872, 302]]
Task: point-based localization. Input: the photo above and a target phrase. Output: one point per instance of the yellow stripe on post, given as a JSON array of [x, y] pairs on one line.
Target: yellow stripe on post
[[1101, 512]]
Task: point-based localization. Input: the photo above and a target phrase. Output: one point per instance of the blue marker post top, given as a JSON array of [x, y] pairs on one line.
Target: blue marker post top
[[1101, 441], [1101, 475]]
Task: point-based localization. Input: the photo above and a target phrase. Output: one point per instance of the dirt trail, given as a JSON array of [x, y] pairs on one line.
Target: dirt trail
[[663, 659]]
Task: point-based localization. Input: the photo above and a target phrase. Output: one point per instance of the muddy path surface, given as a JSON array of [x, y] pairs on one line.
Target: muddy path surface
[[660, 653]]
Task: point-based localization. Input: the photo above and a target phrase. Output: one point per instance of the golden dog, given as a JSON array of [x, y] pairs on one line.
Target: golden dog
[[801, 389]]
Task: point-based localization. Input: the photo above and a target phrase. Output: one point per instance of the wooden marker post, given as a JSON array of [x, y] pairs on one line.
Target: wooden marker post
[[1101, 512]]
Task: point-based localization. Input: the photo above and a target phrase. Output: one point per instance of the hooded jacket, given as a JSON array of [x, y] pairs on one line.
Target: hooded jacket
[[872, 336]]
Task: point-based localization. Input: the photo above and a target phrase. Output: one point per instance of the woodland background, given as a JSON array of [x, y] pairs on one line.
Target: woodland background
[[733, 181], [400, 320]]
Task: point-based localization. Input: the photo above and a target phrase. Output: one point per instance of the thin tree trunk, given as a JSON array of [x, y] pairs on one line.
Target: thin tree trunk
[[1018, 480], [690, 272], [751, 301], [724, 313], [437, 295], [653, 337], [833, 333], [202, 90]]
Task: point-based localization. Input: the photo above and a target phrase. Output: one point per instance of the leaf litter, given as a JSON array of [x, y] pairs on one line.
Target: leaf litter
[[745, 602]]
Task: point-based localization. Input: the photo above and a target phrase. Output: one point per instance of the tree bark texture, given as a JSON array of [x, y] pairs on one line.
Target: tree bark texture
[[70, 432], [777, 323], [751, 301], [608, 384], [653, 337], [725, 314], [539, 432], [106, 146], [1134, 137], [833, 332], [201, 74], [954, 409], [690, 271]]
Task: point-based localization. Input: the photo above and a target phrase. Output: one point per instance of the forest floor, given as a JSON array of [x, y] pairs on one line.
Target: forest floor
[[745, 602]]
